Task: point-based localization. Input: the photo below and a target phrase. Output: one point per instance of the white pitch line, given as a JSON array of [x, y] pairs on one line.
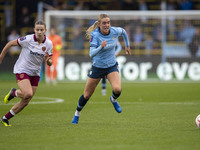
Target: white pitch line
[[49, 101], [153, 103]]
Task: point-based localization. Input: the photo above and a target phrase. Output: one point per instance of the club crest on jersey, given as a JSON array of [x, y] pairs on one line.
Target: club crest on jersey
[[22, 38], [21, 76], [43, 49], [91, 39], [113, 38]]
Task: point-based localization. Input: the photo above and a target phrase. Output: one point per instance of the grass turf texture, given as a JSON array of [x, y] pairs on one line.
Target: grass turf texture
[[154, 116]]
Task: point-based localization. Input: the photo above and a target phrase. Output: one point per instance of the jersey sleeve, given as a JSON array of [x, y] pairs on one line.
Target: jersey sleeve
[[118, 47], [122, 32], [23, 41], [50, 49], [93, 41], [94, 47]]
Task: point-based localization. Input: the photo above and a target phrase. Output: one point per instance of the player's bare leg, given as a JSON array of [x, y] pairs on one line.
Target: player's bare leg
[[25, 92], [91, 84]]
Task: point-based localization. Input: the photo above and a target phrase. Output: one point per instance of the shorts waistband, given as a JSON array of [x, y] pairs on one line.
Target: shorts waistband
[[105, 68]]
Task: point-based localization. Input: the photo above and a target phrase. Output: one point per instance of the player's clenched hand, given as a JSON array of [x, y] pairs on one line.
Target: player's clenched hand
[[128, 50], [48, 59], [46, 56], [103, 44]]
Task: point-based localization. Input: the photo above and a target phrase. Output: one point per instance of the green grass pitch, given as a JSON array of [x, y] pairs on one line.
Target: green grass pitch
[[155, 116]]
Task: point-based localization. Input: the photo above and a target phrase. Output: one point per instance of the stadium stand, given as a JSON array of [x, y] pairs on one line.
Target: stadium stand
[[15, 9]]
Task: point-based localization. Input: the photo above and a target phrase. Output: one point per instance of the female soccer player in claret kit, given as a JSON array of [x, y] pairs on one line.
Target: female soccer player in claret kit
[[103, 40], [35, 49]]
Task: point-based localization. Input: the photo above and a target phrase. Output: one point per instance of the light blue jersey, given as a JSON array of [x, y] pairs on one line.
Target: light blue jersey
[[118, 48], [105, 57]]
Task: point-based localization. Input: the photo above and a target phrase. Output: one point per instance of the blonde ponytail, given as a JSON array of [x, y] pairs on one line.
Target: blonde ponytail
[[95, 25], [90, 29]]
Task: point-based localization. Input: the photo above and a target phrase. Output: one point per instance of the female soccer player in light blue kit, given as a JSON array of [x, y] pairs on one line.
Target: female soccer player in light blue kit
[[103, 40]]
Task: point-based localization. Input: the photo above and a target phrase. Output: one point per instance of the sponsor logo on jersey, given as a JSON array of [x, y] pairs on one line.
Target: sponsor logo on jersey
[[22, 38], [109, 46], [43, 49], [36, 54]]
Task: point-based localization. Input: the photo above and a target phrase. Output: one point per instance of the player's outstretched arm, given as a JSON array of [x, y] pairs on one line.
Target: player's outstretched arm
[[6, 48]]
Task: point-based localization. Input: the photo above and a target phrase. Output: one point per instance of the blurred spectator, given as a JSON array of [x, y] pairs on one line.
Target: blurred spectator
[[171, 28], [142, 5], [14, 50], [115, 3], [81, 5], [53, 3], [158, 35], [8, 14], [93, 5], [71, 4], [129, 5], [138, 37], [194, 45], [187, 32], [64, 6], [149, 43], [78, 40], [25, 18], [157, 31], [172, 5], [185, 4]]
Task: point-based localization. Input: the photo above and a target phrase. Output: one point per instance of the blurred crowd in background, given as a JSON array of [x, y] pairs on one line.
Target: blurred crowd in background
[[19, 20]]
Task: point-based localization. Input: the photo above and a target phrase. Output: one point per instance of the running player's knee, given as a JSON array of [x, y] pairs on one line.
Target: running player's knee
[[87, 96], [28, 95], [117, 90]]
